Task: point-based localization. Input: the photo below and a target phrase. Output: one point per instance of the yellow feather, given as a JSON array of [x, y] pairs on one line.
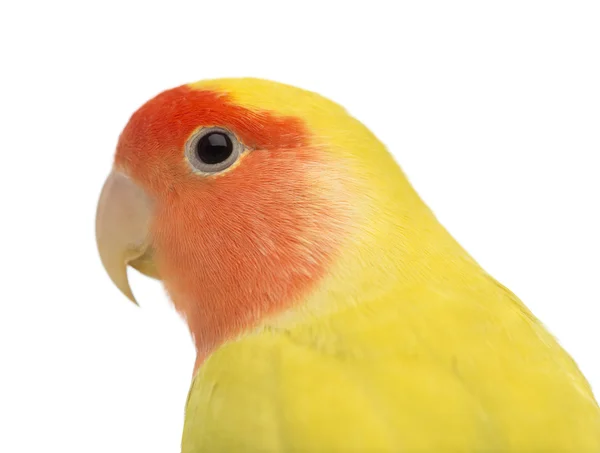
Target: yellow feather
[[407, 345]]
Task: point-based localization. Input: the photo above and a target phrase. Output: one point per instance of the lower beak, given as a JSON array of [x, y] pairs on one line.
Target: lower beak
[[122, 230]]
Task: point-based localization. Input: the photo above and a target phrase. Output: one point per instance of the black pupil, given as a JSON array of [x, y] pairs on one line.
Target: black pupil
[[214, 148]]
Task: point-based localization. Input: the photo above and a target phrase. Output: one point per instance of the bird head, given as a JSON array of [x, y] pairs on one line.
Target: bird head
[[249, 199]]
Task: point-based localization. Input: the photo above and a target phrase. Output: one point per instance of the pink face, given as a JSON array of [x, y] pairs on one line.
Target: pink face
[[238, 245]]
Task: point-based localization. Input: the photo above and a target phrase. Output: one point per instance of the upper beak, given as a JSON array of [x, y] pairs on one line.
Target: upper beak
[[122, 230]]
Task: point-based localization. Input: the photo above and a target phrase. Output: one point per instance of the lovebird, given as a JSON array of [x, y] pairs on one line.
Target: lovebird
[[329, 308]]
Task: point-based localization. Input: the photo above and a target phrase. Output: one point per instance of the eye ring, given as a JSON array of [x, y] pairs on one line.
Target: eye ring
[[211, 150]]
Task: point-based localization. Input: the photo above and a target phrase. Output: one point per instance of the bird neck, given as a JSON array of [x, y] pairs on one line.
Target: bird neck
[[398, 246]]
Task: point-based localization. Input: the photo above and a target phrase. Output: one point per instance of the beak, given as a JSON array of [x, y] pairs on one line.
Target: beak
[[122, 230]]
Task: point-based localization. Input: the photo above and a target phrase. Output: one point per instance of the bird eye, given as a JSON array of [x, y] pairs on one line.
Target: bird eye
[[211, 150]]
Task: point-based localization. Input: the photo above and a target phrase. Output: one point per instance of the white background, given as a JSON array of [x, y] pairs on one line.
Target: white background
[[492, 108]]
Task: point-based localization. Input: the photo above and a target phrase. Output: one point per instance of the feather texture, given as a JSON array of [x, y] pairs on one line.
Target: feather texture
[[331, 310]]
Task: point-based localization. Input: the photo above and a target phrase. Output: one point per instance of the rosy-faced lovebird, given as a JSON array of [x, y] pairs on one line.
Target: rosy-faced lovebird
[[330, 310]]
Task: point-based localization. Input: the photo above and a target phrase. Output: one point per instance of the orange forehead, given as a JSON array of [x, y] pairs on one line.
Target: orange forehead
[[154, 139]]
